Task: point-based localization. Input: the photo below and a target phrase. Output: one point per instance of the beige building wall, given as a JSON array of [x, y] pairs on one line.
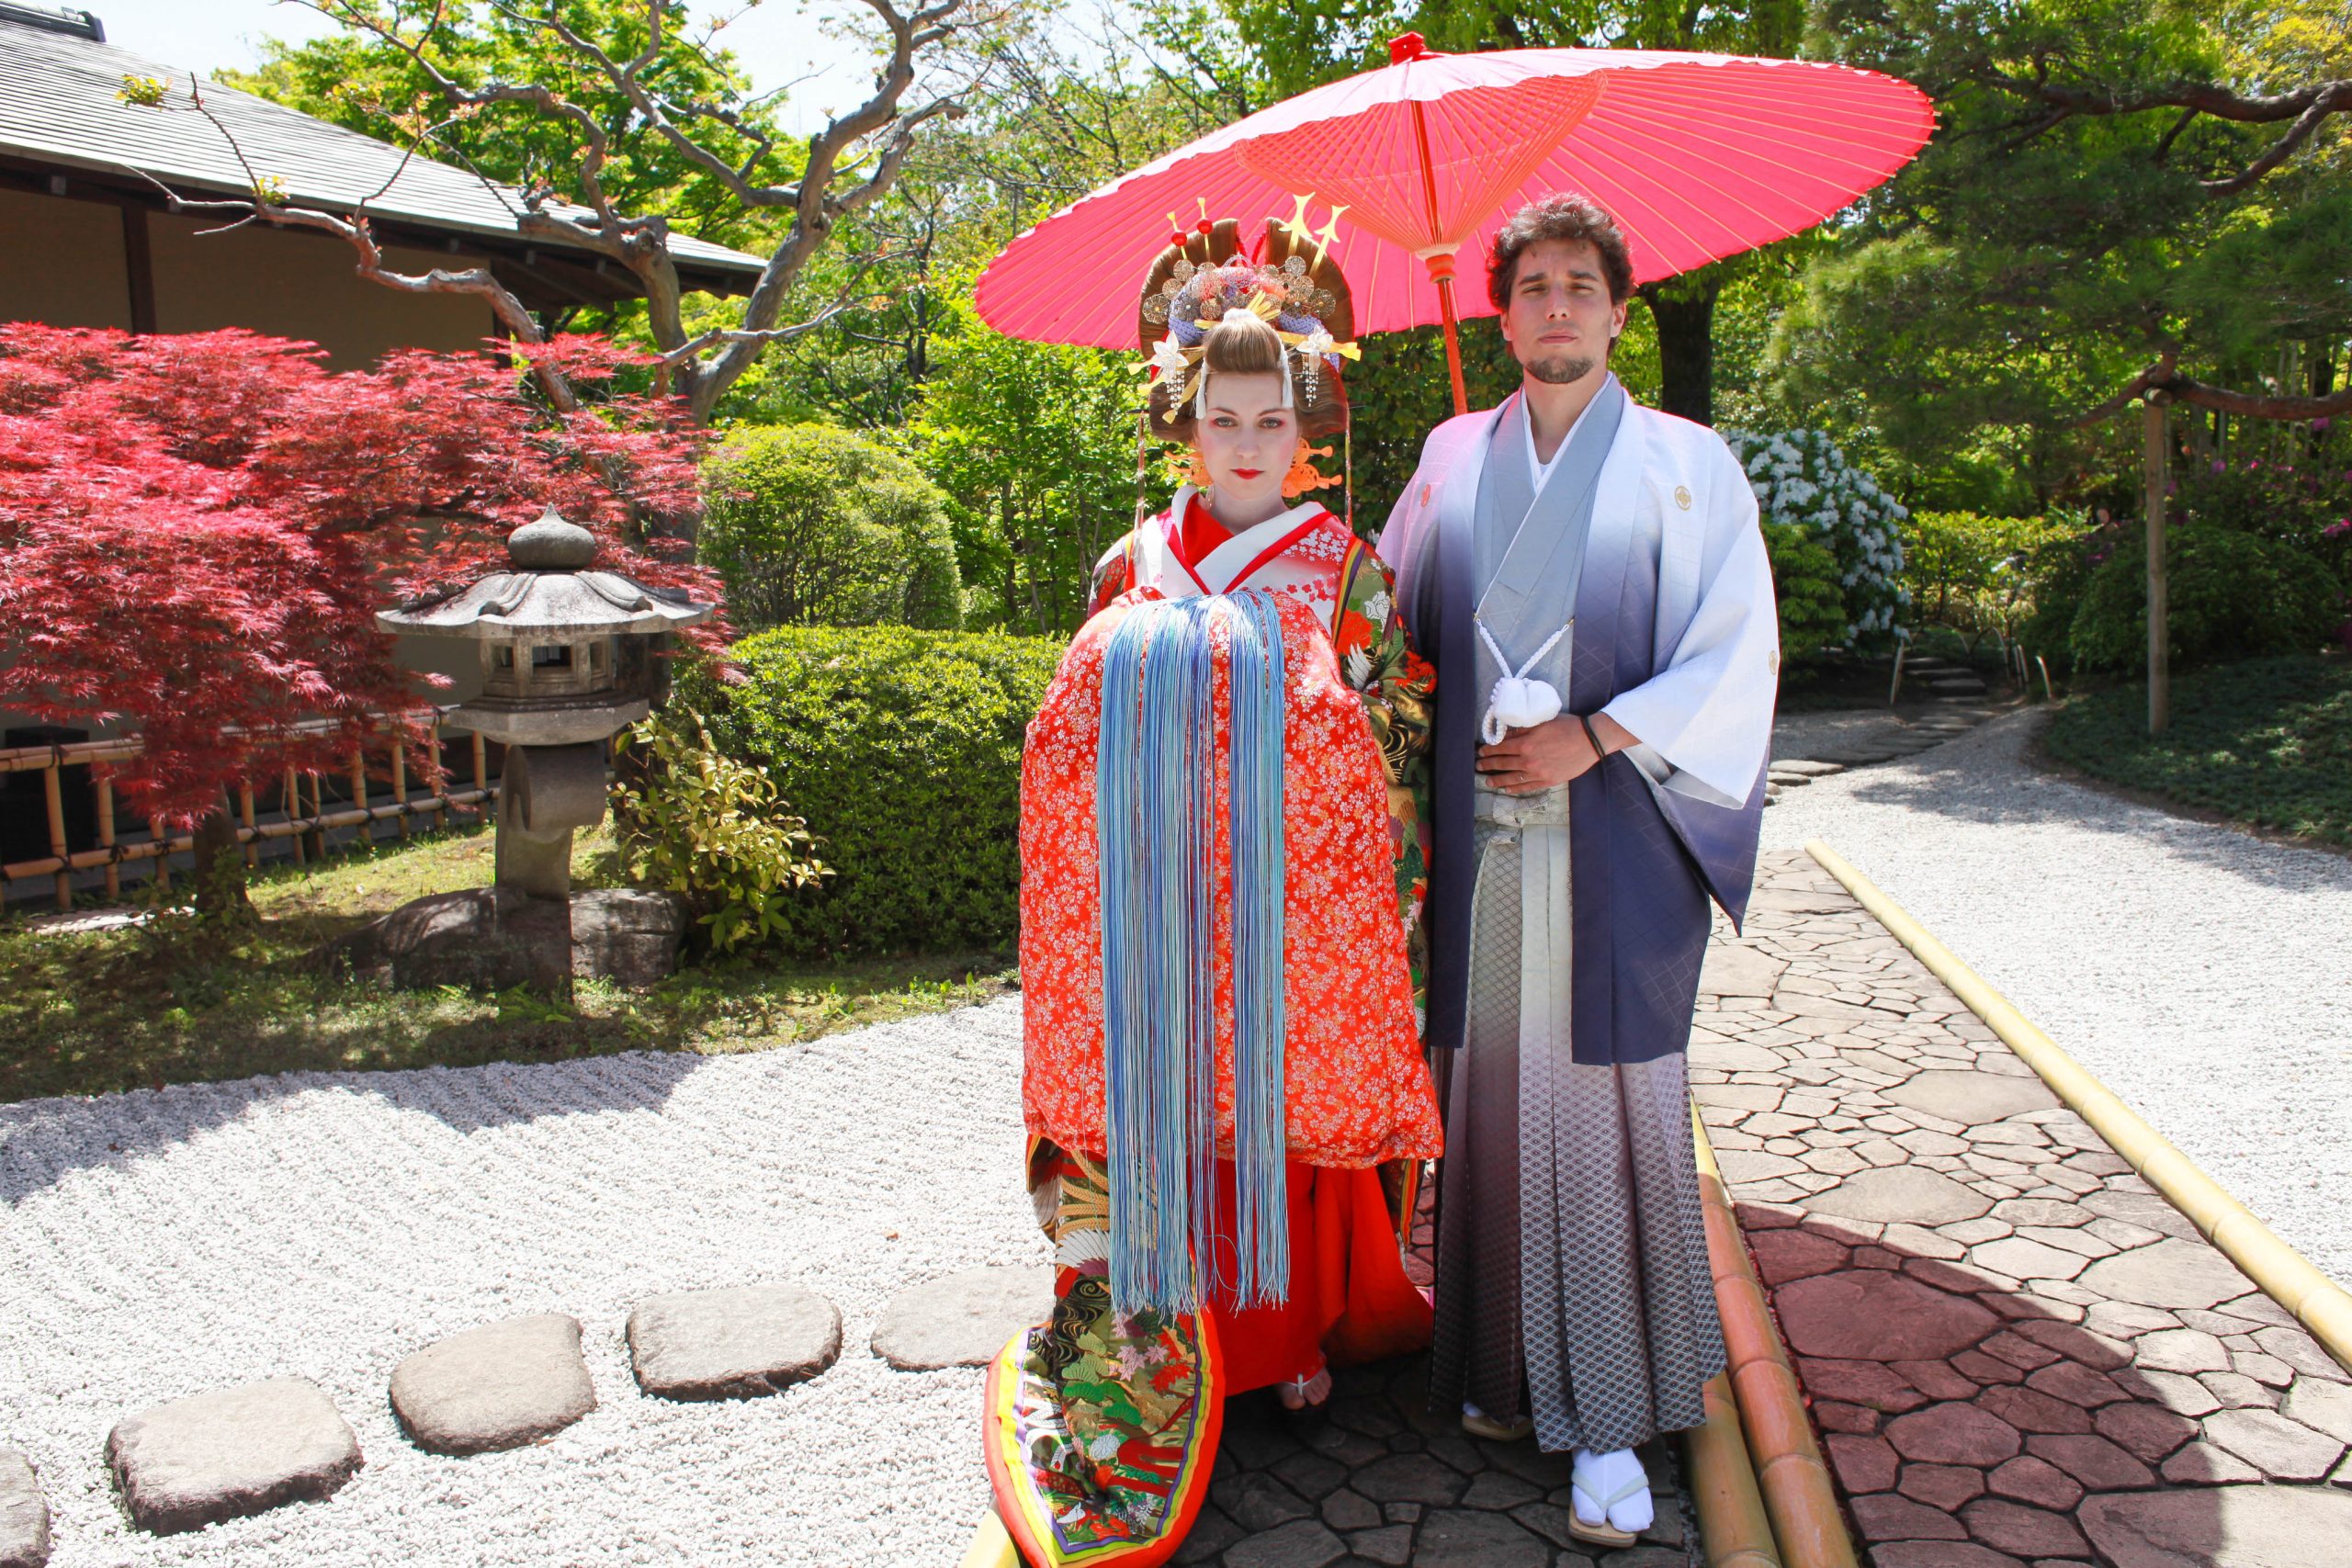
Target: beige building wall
[[302, 285], [61, 262]]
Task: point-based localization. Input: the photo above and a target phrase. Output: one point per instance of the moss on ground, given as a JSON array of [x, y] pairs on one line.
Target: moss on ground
[[172, 1001], [2267, 742]]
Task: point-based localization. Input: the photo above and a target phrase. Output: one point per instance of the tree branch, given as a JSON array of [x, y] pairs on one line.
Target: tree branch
[[2164, 376], [2308, 107], [358, 232]]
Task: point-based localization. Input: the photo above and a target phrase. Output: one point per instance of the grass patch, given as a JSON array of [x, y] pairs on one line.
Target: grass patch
[[2267, 742], [173, 1002]]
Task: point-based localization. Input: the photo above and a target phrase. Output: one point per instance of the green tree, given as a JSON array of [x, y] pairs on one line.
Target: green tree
[[1066, 104], [2123, 195], [813, 525], [1037, 444]]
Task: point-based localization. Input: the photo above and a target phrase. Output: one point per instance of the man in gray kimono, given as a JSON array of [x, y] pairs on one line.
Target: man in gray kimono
[[1589, 579]]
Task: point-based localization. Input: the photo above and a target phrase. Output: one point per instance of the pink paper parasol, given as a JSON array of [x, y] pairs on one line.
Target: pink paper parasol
[[1698, 156]]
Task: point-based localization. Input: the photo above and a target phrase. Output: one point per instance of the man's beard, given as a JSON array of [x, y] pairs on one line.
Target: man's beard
[[1561, 368]]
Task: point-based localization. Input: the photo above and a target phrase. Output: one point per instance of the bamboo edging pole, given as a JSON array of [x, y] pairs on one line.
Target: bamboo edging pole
[[53, 796], [991, 1546], [106, 838], [2287, 1277], [400, 782], [1799, 1498]]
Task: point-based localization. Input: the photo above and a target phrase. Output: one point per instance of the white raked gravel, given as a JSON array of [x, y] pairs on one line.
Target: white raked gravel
[[325, 1226], [2201, 973]]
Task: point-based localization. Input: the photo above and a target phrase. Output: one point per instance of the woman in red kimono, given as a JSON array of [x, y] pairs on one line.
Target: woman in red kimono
[[1221, 872]]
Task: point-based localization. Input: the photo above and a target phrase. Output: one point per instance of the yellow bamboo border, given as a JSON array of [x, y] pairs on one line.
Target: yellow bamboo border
[[1797, 1494], [991, 1546], [2319, 1304]]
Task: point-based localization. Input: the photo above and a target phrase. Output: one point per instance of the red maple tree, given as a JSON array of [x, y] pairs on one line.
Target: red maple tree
[[196, 532]]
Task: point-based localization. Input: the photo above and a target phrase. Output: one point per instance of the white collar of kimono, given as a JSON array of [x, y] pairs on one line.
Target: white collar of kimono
[[1221, 571], [1539, 471]]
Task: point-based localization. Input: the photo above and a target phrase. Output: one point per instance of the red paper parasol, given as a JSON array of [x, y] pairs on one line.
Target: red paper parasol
[[1698, 156]]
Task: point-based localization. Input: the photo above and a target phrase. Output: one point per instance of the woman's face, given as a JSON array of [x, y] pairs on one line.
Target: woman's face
[[1247, 439]]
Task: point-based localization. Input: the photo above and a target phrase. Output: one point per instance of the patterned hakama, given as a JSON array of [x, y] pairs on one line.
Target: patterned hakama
[[1572, 1277]]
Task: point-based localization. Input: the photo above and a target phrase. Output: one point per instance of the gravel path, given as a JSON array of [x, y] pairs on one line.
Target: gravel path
[[158, 1244], [2204, 975]]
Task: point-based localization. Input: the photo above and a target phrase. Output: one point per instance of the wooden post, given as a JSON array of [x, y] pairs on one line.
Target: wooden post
[[106, 838], [163, 854], [2159, 640], [293, 807], [53, 794], [441, 773], [359, 795], [400, 782], [246, 815], [318, 810], [481, 772]]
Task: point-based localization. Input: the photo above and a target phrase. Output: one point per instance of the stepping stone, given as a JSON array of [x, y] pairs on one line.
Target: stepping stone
[[2221, 1527], [498, 1386], [1457, 1538], [23, 1514], [2169, 1273], [1870, 1315], [230, 1452], [735, 1343], [1954, 1434], [1806, 766], [1900, 1195], [2280, 1449], [1735, 970], [1302, 1544], [963, 1320], [1971, 1098]]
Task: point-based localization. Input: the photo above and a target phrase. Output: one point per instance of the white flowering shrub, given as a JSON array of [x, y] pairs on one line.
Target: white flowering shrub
[[1803, 483]]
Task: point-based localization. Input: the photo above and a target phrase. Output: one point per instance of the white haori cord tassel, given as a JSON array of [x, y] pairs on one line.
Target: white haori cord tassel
[[1518, 703]]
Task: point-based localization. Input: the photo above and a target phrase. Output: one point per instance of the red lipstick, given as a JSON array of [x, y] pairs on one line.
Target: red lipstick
[[1247, 473]]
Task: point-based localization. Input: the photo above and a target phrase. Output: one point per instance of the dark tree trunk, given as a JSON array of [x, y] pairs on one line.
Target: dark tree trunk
[[1684, 311], [220, 868]]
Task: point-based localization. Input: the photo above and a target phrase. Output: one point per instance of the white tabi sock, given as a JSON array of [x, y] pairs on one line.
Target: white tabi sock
[[1603, 1477]]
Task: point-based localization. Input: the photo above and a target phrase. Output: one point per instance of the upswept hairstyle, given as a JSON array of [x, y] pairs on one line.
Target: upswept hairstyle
[[1566, 217], [1236, 348]]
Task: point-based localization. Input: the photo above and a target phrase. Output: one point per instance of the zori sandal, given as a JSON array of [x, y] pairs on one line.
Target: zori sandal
[[1591, 1491]]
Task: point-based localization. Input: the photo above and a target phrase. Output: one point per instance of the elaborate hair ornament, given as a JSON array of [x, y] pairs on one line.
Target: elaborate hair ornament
[[1195, 297]]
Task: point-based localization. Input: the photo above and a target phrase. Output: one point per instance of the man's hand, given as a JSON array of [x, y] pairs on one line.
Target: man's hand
[[1552, 754], [1527, 761]]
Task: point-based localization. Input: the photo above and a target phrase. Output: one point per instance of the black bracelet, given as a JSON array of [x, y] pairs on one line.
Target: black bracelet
[[1599, 750]]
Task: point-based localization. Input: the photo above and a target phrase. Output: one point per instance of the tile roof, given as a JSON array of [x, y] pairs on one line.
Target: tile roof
[[59, 105]]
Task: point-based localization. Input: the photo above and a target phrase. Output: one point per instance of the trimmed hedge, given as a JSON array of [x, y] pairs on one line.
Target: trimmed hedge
[[901, 749], [2228, 596]]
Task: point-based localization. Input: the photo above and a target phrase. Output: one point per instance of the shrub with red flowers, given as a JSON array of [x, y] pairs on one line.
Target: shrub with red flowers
[[2307, 505], [196, 532]]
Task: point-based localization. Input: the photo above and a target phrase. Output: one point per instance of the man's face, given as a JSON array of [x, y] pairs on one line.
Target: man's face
[[1560, 323]]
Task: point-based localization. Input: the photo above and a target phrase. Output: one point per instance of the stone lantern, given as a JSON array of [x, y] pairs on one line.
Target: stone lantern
[[569, 660]]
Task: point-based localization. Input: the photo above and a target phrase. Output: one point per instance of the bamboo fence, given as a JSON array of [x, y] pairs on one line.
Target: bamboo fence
[[299, 822]]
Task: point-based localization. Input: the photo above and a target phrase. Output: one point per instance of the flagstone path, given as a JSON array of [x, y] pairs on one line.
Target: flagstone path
[[2017, 1352], [1386, 1481]]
